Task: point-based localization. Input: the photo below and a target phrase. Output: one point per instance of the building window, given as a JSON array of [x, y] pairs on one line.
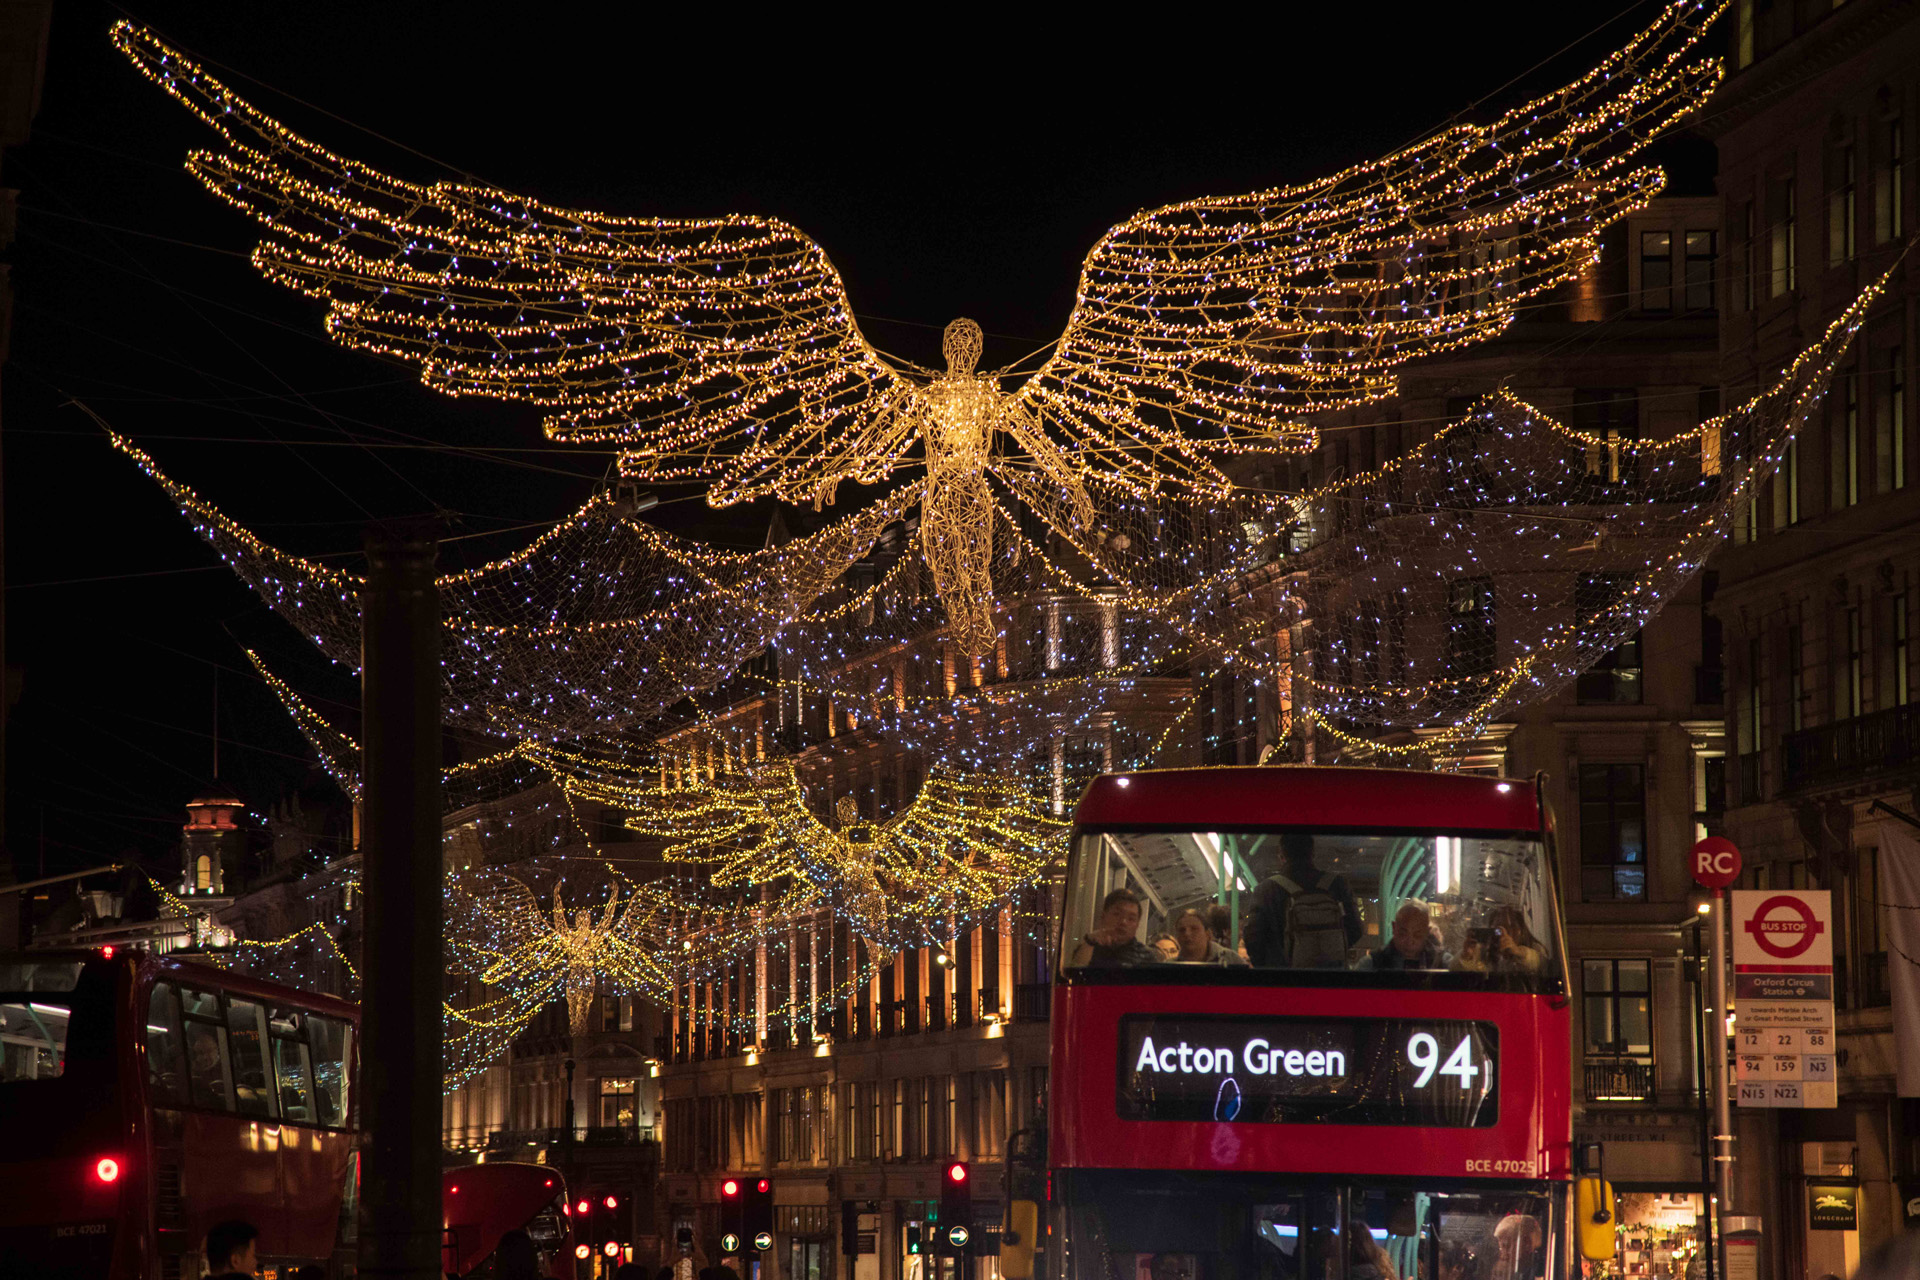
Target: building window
[[1701, 254], [1890, 425], [1784, 238], [1748, 262], [616, 1013], [1610, 418], [1856, 667], [1786, 487], [619, 1103], [1840, 206], [1902, 680], [203, 874], [1888, 212], [1869, 933], [1756, 696], [1613, 841], [1796, 692], [1619, 1015], [1470, 628], [1850, 441], [1598, 598], [1656, 271]]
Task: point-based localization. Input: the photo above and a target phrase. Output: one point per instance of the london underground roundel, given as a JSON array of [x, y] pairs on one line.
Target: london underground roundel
[[1784, 927]]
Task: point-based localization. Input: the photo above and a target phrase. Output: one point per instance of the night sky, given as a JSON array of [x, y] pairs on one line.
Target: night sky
[[948, 169]]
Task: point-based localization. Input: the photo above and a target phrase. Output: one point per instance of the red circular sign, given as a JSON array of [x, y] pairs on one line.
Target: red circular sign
[[1715, 862], [1787, 937]]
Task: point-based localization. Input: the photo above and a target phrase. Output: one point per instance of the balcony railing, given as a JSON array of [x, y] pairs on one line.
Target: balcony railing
[[1877, 742], [1611, 1079], [1032, 1001]]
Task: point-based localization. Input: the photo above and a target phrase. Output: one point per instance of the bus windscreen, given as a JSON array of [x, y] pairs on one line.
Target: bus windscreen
[[1400, 905], [36, 1006]]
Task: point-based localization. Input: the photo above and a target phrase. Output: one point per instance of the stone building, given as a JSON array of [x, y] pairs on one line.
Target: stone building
[[1816, 597]]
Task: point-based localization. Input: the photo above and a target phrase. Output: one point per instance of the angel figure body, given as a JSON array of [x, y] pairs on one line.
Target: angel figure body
[[724, 352]]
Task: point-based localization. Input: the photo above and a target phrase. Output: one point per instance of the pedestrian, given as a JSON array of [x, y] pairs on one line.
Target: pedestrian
[[231, 1250], [629, 1271], [1897, 1258], [664, 1273], [516, 1257]]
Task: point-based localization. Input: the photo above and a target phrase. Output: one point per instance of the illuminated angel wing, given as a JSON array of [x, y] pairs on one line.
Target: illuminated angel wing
[[1204, 326], [718, 349]]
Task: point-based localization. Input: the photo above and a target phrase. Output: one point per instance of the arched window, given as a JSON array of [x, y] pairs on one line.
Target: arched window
[[203, 874]]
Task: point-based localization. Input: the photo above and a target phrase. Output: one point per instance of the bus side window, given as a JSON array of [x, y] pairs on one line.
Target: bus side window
[[206, 1050], [332, 1042], [166, 1059], [291, 1071], [247, 1039]]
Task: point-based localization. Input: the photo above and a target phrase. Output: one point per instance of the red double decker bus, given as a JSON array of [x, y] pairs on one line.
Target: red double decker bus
[[145, 1098], [1310, 1022]]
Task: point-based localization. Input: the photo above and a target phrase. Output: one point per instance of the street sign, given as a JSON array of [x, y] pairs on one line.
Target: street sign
[[763, 1240], [1715, 862], [730, 1243], [958, 1237], [1783, 998]]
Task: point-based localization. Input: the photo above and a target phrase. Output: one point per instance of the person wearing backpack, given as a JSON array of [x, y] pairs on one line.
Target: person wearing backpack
[[1302, 917]]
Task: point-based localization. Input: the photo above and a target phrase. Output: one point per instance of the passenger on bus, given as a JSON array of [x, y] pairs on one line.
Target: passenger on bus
[[1414, 944], [1366, 1259], [1220, 924], [1302, 917], [231, 1250], [1517, 1253], [1115, 944], [1196, 941], [1166, 946], [1513, 948]]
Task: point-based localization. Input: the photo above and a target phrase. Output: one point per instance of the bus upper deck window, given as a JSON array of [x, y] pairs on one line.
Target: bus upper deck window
[[292, 1072], [253, 1092], [166, 1054], [332, 1042]]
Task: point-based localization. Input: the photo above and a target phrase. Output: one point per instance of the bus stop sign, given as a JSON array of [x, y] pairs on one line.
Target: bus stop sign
[[1716, 862]]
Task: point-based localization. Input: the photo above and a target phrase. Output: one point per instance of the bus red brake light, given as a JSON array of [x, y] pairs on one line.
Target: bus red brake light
[[107, 1169], [106, 952]]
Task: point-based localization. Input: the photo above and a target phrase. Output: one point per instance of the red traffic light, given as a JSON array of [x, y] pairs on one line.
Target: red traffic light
[[957, 1172], [106, 952], [582, 1207], [763, 1186], [729, 1188], [611, 1202], [107, 1169]]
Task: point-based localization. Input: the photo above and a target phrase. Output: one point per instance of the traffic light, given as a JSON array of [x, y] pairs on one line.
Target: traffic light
[[956, 1211], [732, 1221], [610, 1223], [758, 1218], [913, 1238]]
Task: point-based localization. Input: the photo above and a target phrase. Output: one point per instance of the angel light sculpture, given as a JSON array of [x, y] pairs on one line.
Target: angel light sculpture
[[724, 351]]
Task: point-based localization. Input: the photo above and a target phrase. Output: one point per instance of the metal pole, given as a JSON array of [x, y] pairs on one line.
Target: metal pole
[[400, 1211], [1700, 1058], [1717, 1046]]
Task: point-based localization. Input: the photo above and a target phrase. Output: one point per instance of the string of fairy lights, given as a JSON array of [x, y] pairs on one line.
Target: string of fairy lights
[[877, 723]]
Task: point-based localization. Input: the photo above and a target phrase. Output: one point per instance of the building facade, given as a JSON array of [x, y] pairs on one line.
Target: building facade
[[1816, 596]]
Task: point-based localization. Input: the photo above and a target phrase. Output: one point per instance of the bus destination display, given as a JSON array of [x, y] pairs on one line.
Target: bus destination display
[[1272, 1070]]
